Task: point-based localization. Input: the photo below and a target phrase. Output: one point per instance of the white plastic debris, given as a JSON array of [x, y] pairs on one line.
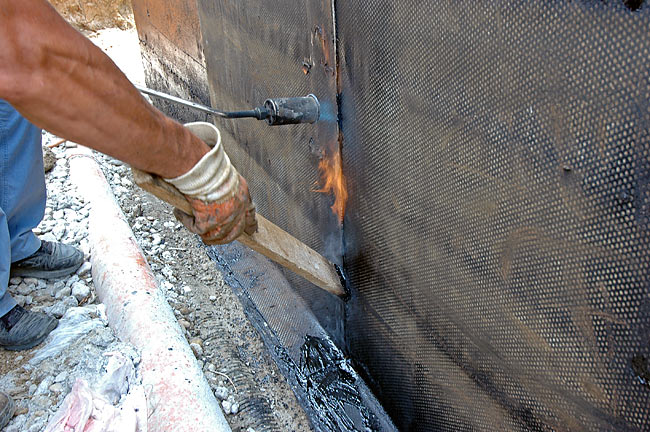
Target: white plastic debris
[[85, 410], [75, 323], [74, 413], [119, 374]]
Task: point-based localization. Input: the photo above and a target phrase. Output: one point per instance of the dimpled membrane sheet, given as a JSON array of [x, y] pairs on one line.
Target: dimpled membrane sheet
[[257, 50], [497, 236], [498, 230]]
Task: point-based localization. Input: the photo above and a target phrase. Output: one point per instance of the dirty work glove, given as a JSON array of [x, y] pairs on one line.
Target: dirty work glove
[[217, 193]]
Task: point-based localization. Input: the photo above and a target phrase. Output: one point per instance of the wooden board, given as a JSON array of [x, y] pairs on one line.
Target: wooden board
[[269, 239]]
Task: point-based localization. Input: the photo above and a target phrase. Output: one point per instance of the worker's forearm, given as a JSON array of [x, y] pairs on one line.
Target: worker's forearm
[[63, 83]]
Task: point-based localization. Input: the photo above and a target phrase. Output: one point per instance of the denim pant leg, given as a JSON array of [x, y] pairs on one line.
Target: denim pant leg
[[6, 302], [22, 193]]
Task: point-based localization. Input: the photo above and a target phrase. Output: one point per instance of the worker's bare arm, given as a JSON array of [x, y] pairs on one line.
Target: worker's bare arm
[[62, 82]]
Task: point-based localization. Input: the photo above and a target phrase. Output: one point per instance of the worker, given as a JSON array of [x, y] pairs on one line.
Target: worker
[[52, 77]]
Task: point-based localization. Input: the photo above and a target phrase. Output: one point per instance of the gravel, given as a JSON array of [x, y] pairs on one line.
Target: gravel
[[220, 336], [80, 291], [39, 379], [235, 361]]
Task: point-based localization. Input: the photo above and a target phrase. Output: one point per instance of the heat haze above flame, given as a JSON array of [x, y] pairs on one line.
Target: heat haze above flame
[[333, 182]]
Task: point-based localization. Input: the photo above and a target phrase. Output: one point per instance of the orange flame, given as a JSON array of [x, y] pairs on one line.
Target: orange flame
[[331, 172]]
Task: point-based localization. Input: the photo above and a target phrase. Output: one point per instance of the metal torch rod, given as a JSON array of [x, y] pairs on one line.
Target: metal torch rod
[[225, 114]]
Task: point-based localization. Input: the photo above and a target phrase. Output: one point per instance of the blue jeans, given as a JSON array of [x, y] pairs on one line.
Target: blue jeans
[[22, 193]]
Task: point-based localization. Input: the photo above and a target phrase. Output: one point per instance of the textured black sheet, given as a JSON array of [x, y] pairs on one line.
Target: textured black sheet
[[498, 229], [255, 50]]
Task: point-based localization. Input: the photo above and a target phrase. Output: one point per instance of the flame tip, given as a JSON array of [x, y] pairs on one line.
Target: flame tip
[[334, 182]]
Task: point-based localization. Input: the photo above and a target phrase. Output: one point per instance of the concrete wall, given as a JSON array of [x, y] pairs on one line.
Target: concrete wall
[[172, 53]]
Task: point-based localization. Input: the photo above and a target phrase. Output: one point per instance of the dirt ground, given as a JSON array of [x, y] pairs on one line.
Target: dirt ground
[[215, 320], [88, 15], [204, 304], [10, 360]]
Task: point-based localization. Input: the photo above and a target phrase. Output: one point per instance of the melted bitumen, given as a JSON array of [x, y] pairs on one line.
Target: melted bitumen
[[330, 385], [322, 379]]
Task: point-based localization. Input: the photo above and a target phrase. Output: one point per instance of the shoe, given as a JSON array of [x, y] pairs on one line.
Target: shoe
[[50, 261], [21, 329], [6, 409]]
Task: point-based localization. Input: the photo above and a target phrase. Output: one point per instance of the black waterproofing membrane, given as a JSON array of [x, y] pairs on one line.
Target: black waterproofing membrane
[[498, 231], [257, 50], [497, 236]]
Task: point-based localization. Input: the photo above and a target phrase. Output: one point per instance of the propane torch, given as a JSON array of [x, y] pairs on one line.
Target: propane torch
[[276, 111]]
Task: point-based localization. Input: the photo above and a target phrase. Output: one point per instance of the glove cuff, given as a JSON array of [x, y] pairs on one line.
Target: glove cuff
[[213, 178]]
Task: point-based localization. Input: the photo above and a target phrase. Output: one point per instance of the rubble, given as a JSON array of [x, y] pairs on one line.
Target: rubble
[[215, 326], [49, 159], [39, 380], [89, 16]]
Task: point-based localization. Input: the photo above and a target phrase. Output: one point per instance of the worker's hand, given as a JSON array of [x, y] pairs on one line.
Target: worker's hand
[[219, 196], [221, 222]]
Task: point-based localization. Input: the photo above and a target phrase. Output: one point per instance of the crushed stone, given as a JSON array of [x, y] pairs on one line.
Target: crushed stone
[[232, 353], [39, 379]]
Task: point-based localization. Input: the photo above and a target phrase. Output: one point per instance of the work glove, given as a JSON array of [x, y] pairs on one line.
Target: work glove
[[217, 193]]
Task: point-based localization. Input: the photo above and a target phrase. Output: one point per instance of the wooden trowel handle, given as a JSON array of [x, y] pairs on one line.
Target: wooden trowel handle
[[161, 189], [269, 239]]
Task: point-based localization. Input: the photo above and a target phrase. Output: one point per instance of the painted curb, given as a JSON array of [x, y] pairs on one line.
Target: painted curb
[[179, 397]]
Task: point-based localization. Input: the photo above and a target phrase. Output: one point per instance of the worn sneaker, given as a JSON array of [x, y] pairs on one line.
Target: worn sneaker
[[50, 261], [21, 329], [6, 409]]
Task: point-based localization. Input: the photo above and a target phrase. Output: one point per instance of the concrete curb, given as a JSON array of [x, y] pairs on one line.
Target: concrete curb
[[179, 397]]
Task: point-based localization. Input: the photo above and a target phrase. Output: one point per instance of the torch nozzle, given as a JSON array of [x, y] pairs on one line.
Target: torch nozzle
[[292, 110]]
